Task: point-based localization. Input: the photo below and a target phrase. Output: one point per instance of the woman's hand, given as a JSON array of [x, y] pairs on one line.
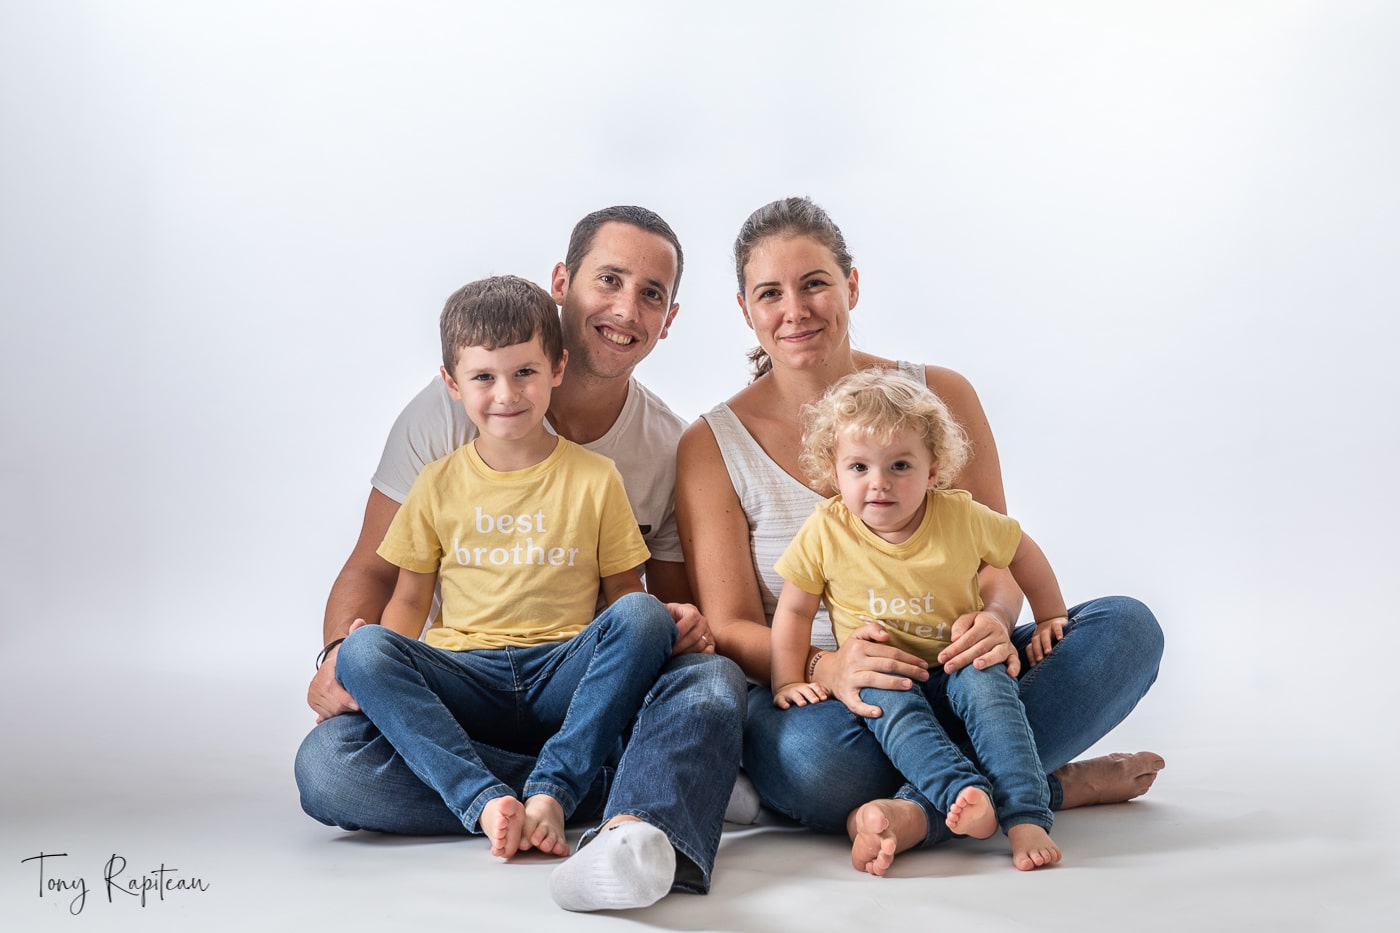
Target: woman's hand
[[865, 661], [980, 639], [1047, 633], [693, 635], [799, 694]]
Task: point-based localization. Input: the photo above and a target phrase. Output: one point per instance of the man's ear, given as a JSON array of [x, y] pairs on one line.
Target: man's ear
[[559, 283], [452, 389], [670, 319]]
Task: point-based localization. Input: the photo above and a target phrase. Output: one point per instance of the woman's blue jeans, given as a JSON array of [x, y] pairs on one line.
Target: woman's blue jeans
[[674, 767], [819, 762]]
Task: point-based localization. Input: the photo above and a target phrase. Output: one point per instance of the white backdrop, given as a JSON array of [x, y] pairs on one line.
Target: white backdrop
[[1162, 239]]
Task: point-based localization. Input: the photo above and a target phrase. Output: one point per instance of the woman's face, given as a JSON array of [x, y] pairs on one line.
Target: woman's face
[[797, 300]]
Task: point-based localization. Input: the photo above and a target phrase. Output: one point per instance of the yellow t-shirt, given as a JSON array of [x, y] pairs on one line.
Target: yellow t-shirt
[[916, 589], [519, 554]]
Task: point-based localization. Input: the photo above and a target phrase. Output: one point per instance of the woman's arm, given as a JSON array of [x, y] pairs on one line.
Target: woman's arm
[[715, 538]]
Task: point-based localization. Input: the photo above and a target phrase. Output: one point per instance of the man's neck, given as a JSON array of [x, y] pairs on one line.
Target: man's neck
[[583, 410]]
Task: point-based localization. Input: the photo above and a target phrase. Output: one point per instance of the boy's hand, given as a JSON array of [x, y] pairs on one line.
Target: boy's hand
[[325, 695], [799, 694], [693, 635], [1047, 633]]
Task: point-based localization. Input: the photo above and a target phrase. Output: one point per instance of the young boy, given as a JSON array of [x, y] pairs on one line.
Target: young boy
[[524, 531], [897, 548]]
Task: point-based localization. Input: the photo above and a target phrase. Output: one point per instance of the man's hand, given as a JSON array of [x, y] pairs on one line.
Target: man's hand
[[693, 635], [325, 695], [865, 661], [979, 639]]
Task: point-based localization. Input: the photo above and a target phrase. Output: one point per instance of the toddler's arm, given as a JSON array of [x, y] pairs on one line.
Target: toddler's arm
[[792, 634], [1037, 580], [409, 606]]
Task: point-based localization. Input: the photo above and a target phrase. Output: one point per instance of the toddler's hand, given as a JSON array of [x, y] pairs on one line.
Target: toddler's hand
[[799, 694], [1047, 633]]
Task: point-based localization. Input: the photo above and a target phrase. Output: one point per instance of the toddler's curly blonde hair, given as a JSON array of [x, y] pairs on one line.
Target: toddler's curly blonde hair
[[877, 404]]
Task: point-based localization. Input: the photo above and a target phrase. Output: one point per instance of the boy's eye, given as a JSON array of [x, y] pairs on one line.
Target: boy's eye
[[482, 377], [900, 465], [858, 468], [522, 373]]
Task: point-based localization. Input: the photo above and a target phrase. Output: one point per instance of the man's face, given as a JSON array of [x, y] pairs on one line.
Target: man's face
[[618, 304]]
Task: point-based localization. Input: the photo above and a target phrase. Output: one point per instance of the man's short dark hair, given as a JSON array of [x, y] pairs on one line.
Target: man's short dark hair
[[581, 240]]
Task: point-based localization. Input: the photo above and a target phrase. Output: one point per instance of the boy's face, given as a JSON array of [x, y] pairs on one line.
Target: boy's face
[[884, 484], [505, 391]]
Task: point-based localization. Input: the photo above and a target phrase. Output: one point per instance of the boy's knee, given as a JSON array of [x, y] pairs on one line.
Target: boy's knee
[[362, 651], [645, 621], [711, 682]]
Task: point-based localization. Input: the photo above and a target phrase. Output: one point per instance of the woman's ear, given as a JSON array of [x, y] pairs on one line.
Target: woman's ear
[[739, 297]]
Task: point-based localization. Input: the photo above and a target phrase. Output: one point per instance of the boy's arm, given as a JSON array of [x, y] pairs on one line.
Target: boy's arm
[[792, 636], [620, 584], [409, 606], [1037, 580]]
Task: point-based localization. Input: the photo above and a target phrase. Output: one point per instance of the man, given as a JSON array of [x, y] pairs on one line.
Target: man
[[615, 289]]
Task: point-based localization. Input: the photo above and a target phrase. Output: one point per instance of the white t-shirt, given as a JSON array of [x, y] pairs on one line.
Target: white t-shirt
[[642, 443]]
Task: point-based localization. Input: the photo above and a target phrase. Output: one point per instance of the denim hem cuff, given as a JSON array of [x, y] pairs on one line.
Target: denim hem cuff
[[471, 817], [567, 801], [1057, 792]]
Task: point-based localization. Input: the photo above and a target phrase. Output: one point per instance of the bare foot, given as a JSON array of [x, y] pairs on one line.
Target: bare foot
[[1113, 778], [881, 829], [1032, 847], [502, 820], [972, 814], [544, 826]]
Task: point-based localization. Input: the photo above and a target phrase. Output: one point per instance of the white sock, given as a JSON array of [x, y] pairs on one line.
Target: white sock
[[630, 865], [743, 802]]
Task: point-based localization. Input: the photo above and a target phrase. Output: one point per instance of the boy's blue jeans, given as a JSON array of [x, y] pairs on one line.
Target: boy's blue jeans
[[677, 761], [819, 762], [987, 704]]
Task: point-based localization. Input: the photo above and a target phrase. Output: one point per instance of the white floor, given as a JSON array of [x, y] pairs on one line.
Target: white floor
[[1244, 830]]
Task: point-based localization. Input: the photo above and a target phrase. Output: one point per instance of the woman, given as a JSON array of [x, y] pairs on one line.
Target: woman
[[738, 503]]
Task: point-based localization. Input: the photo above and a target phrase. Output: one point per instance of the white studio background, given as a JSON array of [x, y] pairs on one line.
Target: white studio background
[[1162, 239]]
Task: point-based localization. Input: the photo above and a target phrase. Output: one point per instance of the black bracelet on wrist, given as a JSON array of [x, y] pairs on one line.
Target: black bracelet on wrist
[[320, 658], [812, 665]]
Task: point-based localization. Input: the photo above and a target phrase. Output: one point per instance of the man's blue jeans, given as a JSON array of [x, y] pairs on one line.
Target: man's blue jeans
[[819, 762], [988, 706], [675, 770]]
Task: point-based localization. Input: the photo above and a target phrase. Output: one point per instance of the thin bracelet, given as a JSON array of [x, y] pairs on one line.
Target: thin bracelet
[[320, 658], [812, 665]]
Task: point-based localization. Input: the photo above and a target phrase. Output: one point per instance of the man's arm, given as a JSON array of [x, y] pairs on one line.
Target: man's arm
[[361, 591]]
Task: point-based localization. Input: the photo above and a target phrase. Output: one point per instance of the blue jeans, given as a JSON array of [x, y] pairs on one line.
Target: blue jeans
[[988, 705], [674, 769], [817, 763]]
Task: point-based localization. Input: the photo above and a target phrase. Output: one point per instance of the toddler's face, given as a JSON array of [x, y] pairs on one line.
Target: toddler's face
[[884, 484]]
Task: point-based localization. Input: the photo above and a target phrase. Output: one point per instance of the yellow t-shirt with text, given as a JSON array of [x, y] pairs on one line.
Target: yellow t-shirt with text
[[519, 555], [915, 589]]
